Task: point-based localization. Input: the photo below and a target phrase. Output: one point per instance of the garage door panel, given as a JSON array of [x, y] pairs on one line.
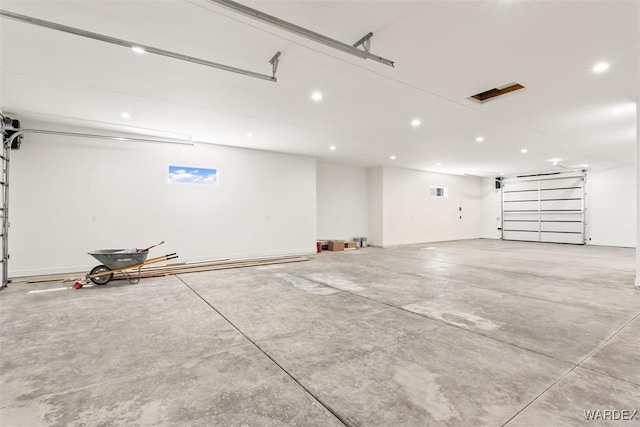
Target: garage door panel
[[521, 235], [561, 216], [508, 216], [521, 206], [561, 183], [568, 193], [521, 225], [520, 185], [562, 238], [575, 227], [561, 205], [520, 195]]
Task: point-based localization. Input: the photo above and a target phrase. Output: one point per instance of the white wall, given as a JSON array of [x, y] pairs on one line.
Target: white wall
[[72, 195], [375, 199], [342, 207], [611, 206], [491, 210], [411, 215]]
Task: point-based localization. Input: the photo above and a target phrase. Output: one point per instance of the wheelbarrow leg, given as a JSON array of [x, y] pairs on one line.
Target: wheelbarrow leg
[[133, 281]]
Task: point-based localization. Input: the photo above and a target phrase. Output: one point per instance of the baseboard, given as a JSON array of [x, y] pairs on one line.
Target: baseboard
[[425, 242]]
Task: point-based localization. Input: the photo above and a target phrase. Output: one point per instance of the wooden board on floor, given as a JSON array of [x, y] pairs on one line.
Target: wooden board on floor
[[218, 266], [173, 268]]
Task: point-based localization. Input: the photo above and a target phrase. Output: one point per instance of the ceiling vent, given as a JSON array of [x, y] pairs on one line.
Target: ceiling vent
[[493, 93]]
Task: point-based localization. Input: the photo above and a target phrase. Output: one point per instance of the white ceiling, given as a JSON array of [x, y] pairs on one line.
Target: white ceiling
[[444, 51]]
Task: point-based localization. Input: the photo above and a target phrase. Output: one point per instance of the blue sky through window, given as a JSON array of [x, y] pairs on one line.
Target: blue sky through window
[[192, 175]]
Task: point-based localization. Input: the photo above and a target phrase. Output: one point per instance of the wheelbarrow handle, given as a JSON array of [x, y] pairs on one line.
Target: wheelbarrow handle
[[150, 247]]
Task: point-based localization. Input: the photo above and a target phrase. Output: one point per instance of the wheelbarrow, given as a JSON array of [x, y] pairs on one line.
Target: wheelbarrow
[[122, 261]]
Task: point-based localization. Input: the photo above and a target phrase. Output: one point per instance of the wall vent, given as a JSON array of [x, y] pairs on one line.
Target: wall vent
[[492, 93]]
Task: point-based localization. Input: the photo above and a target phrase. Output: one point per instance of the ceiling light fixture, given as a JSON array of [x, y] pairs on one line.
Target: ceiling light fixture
[[415, 123], [392, 157], [249, 134], [438, 164], [332, 148], [524, 151], [627, 108], [479, 139], [554, 161], [600, 67], [125, 115], [138, 49], [316, 96]]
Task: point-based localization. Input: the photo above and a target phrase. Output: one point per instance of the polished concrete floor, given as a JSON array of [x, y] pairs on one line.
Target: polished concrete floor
[[466, 333]]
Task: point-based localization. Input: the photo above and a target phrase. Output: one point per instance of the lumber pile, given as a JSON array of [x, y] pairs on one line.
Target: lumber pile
[[174, 268], [212, 266]]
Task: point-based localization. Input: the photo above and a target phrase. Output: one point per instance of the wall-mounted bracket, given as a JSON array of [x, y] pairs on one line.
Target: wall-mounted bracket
[[274, 63], [365, 42], [303, 32]]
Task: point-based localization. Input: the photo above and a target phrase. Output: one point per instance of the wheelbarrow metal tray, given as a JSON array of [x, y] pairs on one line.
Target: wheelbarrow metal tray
[[117, 259]]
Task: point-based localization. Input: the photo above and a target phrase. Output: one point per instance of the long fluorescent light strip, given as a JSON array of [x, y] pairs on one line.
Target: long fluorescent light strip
[[125, 43], [311, 35]]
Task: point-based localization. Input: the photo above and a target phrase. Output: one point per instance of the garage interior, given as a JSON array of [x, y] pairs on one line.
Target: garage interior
[[471, 165]]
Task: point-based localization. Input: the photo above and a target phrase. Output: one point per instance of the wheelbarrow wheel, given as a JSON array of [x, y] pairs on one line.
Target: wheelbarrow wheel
[[101, 280]]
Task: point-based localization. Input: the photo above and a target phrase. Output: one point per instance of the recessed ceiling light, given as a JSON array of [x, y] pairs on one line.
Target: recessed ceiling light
[[501, 173], [121, 139], [524, 151], [392, 157], [125, 115], [555, 161], [438, 164], [138, 49], [332, 148], [249, 134], [600, 67], [479, 139], [415, 123], [629, 108], [316, 96]]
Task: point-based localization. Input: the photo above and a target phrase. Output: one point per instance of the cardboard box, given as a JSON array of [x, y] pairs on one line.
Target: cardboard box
[[336, 245], [352, 245]]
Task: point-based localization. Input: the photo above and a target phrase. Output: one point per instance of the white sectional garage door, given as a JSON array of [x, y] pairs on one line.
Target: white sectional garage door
[[545, 207]]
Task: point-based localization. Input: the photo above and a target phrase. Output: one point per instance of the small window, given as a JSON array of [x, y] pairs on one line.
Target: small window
[[438, 191]]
